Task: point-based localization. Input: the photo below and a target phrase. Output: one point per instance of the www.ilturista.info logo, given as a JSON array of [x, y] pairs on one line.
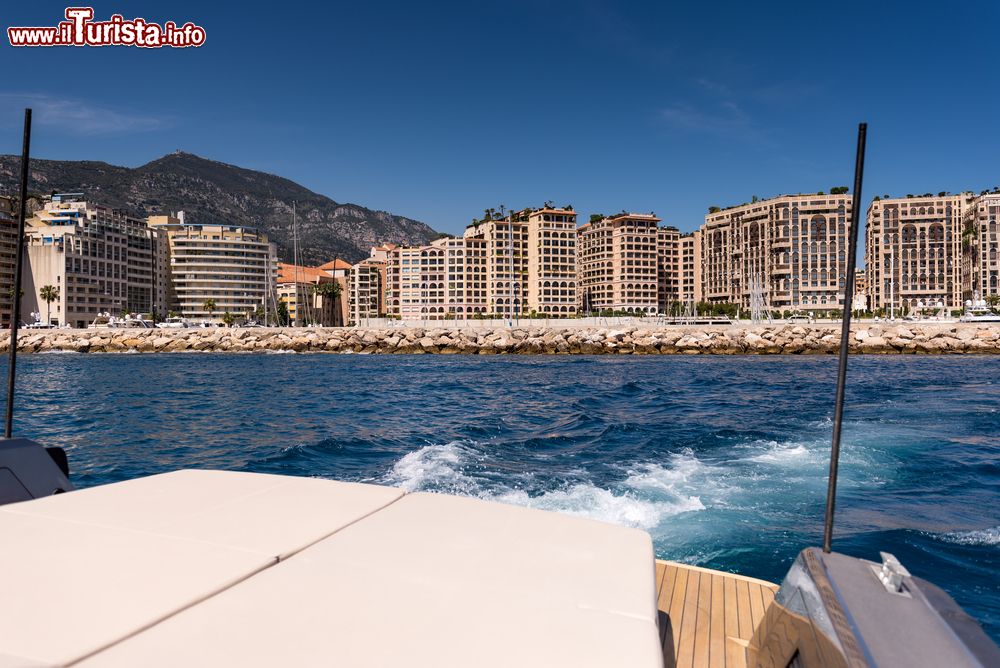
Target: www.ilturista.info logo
[[80, 29]]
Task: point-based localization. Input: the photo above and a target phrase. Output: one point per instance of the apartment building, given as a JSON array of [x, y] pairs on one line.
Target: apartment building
[[216, 269], [979, 244], [8, 255], [618, 266], [506, 242], [792, 248], [913, 252], [444, 280], [369, 283], [668, 268], [98, 259], [551, 272], [690, 268]]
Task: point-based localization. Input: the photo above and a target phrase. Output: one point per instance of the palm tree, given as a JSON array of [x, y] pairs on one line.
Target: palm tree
[[209, 305], [48, 293], [332, 290], [228, 318]]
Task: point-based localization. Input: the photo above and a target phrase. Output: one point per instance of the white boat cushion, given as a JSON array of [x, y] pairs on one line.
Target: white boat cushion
[[84, 570], [430, 580]]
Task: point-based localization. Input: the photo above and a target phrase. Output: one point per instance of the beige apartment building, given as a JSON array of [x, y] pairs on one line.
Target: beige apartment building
[[506, 242], [369, 283], [913, 252], [668, 268], [551, 272], [690, 268], [8, 254], [228, 267], [444, 280], [100, 260], [979, 242], [793, 248], [618, 264]]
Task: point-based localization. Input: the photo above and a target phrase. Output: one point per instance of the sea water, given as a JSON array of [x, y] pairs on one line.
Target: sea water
[[722, 459]]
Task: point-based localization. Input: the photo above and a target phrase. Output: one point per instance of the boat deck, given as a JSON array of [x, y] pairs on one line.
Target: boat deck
[[708, 617]]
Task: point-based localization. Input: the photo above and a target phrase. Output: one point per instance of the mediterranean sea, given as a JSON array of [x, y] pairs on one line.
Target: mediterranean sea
[[722, 459]]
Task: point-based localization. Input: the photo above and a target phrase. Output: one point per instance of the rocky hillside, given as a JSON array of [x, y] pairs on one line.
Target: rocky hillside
[[214, 192]]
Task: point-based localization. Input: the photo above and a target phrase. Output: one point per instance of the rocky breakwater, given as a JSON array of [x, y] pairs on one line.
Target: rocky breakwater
[[914, 338]]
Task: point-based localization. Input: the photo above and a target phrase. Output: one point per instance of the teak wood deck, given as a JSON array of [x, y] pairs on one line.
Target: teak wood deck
[[706, 617]]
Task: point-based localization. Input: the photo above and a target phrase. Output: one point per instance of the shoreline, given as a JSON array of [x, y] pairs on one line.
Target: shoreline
[[776, 339]]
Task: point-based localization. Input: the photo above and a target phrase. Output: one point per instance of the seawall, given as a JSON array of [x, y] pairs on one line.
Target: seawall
[[915, 338]]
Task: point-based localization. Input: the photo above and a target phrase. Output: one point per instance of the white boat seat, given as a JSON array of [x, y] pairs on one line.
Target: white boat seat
[[84, 570], [430, 580]]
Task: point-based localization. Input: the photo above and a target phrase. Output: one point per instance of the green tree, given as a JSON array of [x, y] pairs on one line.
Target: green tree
[[595, 217], [48, 293], [283, 318], [333, 291], [228, 318], [209, 305], [838, 190]]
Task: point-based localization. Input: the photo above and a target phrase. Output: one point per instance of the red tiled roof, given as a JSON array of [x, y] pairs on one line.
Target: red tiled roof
[[335, 264], [287, 274]]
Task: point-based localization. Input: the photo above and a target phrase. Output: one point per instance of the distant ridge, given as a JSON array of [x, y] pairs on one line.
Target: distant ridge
[[209, 191]]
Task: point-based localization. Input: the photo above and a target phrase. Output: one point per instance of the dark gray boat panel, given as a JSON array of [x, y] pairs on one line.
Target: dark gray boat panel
[[29, 471]]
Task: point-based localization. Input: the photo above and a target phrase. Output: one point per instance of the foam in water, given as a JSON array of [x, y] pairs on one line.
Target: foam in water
[[979, 537], [649, 494], [783, 454]]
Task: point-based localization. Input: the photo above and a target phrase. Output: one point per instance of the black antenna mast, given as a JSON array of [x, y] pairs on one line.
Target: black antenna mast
[[15, 297], [845, 336]]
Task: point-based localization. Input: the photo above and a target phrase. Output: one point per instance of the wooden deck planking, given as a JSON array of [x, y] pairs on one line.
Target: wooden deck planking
[[708, 616]]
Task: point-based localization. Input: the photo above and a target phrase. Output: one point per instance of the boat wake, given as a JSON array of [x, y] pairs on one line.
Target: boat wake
[[985, 537], [643, 499]]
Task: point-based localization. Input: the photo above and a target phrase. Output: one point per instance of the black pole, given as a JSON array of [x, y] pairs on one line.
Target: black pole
[[15, 315], [845, 335]]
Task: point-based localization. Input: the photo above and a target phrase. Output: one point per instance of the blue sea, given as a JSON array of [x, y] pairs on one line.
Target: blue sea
[[722, 459]]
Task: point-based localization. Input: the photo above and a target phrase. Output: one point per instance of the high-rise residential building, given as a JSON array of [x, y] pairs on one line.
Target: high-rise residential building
[[690, 269], [369, 283], [8, 254], [216, 269], [532, 262], [668, 269], [444, 280], [913, 252], [979, 243], [98, 260], [617, 264], [792, 249], [506, 242], [552, 262]]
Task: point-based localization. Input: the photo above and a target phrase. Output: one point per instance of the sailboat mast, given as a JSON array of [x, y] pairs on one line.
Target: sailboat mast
[[15, 297], [295, 263], [845, 335]]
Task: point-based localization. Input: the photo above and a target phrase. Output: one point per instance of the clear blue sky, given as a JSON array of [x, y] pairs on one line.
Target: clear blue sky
[[436, 110]]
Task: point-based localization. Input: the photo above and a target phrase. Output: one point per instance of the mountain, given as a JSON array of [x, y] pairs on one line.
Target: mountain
[[211, 192]]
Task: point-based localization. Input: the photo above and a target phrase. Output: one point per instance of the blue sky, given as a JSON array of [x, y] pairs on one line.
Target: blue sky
[[438, 110]]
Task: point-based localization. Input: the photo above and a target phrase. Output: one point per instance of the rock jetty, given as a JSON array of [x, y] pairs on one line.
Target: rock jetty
[[795, 339]]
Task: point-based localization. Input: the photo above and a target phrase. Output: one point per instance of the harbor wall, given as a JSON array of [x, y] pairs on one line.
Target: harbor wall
[[916, 338]]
